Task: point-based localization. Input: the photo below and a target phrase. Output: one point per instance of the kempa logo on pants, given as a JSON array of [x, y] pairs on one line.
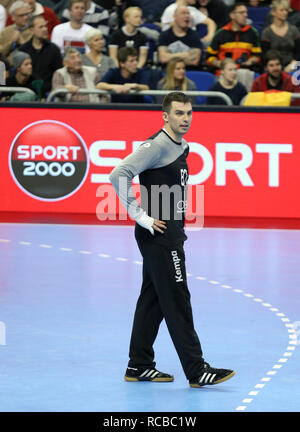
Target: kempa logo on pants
[[176, 261], [48, 160]]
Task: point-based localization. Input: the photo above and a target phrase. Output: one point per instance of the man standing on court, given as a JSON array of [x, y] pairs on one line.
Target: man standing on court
[[161, 163]]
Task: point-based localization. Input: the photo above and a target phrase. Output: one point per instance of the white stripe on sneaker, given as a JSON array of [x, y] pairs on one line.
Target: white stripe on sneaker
[[150, 373], [154, 375], [207, 378], [203, 376], [212, 378], [144, 373]]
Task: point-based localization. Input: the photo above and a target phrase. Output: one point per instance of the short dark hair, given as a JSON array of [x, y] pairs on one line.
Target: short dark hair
[[272, 55], [71, 2], [174, 97], [125, 52], [233, 7]]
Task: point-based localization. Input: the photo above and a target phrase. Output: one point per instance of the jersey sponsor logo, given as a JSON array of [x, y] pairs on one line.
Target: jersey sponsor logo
[[176, 261]]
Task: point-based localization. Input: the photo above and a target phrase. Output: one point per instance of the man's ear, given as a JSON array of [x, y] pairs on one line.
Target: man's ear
[[165, 117]]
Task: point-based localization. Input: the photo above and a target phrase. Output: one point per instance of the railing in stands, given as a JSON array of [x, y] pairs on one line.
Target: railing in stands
[[143, 93]]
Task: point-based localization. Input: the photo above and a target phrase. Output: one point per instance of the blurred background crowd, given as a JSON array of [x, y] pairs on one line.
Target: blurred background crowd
[[128, 46]]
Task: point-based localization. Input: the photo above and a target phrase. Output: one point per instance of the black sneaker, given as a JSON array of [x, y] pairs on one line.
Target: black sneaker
[[150, 374], [210, 376]]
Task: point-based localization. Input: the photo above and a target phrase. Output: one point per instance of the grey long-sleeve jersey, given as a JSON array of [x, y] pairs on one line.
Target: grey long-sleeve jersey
[[161, 165]]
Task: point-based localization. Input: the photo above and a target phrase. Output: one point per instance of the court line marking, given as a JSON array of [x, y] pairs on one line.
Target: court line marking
[[292, 333]]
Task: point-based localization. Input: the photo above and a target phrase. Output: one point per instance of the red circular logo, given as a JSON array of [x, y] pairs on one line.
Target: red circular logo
[[49, 160]]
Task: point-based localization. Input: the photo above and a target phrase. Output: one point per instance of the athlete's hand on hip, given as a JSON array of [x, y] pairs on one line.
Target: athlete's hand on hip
[[159, 226]]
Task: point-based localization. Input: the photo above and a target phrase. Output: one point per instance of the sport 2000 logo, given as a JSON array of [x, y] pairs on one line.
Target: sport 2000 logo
[[48, 160]]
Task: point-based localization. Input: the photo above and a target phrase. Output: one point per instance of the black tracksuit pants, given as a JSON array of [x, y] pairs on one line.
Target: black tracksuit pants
[[164, 294]]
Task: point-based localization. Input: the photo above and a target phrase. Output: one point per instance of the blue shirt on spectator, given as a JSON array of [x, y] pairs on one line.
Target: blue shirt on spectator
[[114, 76]]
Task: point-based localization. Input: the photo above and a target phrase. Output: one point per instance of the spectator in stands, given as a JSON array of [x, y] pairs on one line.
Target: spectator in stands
[[125, 78], [2, 17], [45, 55], [236, 40], [180, 40], [282, 36], [74, 76], [36, 8], [228, 84], [18, 33], [130, 35], [275, 78], [71, 34], [293, 17], [196, 18], [175, 79], [4, 70], [94, 39], [95, 16], [22, 76], [116, 10], [217, 10]]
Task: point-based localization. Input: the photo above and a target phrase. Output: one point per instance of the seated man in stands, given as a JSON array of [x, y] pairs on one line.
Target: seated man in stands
[[45, 55], [125, 78], [95, 16], [180, 41], [18, 33], [22, 77], [36, 9], [196, 18], [228, 84], [71, 33], [275, 78], [130, 35], [236, 40], [74, 76]]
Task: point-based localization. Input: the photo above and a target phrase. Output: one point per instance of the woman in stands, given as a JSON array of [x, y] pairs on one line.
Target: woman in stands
[[282, 36], [175, 79], [94, 39], [228, 84]]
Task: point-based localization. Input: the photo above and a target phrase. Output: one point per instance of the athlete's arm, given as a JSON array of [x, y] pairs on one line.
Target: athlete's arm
[[145, 157]]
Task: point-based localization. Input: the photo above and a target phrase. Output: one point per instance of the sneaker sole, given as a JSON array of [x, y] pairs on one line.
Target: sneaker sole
[[130, 379], [216, 382]]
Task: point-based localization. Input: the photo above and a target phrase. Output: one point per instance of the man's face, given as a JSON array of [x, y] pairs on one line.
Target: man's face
[[182, 17], [239, 15], [26, 67], [31, 5], [40, 29], [274, 68], [134, 18], [179, 118], [130, 65], [77, 11], [21, 16], [73, 62], [229, 72]]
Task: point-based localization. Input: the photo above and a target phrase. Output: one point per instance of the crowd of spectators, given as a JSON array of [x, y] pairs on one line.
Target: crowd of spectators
[[127, 46]]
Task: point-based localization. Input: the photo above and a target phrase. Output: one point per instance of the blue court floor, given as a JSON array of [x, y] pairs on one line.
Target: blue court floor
[[67, 298]]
